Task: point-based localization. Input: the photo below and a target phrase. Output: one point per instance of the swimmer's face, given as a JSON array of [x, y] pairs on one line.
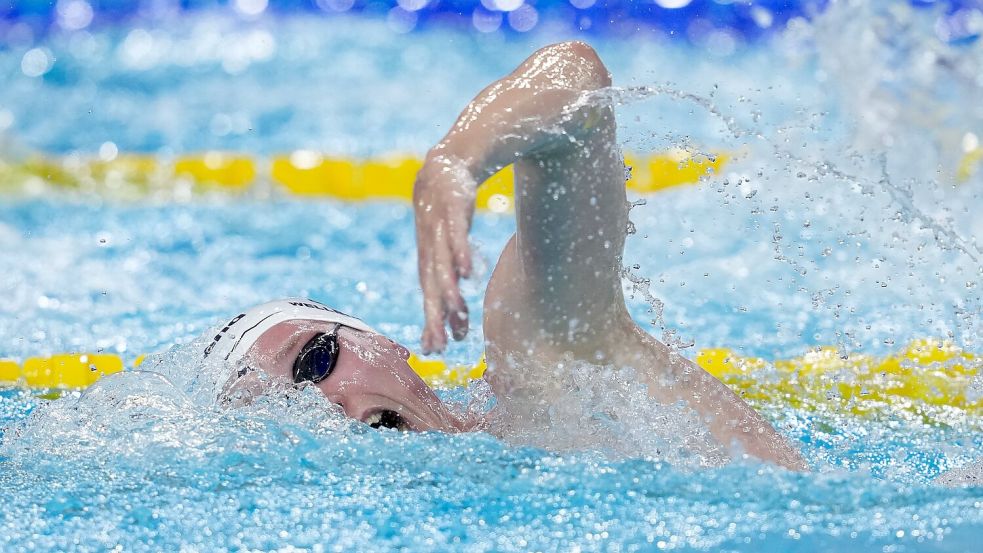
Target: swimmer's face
[[371, 379]]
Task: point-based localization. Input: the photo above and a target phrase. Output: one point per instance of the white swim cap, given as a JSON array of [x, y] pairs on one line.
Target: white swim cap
[[238, 335]]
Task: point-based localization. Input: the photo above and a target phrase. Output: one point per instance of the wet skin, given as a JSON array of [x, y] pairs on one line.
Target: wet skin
[[371, 379], [556, 291]]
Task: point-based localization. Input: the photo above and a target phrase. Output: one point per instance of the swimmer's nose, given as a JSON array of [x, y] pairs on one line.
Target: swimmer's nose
[[404, 353], [399, 349]]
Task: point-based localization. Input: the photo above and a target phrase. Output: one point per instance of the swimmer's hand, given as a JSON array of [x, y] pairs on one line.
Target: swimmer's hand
[[533, 109], [443, 201]]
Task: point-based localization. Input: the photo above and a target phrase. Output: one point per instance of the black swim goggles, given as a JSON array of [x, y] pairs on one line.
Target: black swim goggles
[[317, 358]]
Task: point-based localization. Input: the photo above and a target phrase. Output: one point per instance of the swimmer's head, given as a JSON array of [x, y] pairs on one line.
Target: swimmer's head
[[354, 366]]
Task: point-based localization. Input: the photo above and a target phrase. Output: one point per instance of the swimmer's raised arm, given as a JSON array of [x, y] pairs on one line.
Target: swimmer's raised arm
[[556, 291], [546, 118]]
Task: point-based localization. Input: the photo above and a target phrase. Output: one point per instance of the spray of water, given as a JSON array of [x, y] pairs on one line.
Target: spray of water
[[173, 410], [787, 178], [576, 405], [796, 177]]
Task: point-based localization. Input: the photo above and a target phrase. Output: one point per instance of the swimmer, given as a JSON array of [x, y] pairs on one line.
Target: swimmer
[[555, 294]]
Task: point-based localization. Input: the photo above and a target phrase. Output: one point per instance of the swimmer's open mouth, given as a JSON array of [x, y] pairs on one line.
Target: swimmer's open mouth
[[387, 419]]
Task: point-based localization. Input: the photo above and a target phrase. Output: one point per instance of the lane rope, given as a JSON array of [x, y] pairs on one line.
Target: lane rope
[[306, 173], [928, 374]]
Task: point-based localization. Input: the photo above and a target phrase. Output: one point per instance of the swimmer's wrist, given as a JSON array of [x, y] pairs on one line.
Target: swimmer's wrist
[[447, 166]]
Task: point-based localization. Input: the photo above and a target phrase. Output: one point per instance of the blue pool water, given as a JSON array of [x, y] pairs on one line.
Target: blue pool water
[[838, 223]]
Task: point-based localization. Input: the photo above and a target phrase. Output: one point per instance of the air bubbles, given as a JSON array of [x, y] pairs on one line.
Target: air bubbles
[[963, 24], [582, 4], [485, 21], [214, 159], [721, 42], [970, 142], [748, 191], [306, 159], [108, 151], [251, 8], [44, 302], [400, 20], [74, 15], [412, 5], [6, 119], [85, 46], [225, 124], [221, 124], [260, 45], [37, 62], [139, 50], [502, 5], [524, 18], [19, 34], [499, 203], [240, 51], [335, 5], [672, 4], [762, 16]]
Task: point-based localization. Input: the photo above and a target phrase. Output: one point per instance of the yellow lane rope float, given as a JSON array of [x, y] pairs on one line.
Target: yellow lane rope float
[[79, 370], [927, 376], [306, 173], [927, 373], [968, 164]]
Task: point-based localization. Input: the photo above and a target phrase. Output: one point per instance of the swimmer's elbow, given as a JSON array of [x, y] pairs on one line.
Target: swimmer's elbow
[[579, 63], [596, 73]]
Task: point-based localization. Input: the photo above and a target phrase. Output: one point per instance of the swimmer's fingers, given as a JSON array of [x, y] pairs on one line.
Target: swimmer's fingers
[[443, 204], [442, 301], [460, 204], [434, 338], [455, 308], [459, 226]]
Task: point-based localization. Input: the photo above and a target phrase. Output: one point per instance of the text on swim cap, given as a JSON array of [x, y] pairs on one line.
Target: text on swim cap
[[222, 333], [315, 306]]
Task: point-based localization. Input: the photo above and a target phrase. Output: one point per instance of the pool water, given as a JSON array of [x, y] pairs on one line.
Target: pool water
[[839, 222]]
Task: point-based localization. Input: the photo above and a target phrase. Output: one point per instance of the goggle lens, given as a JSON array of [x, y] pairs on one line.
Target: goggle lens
[[317, 359]]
